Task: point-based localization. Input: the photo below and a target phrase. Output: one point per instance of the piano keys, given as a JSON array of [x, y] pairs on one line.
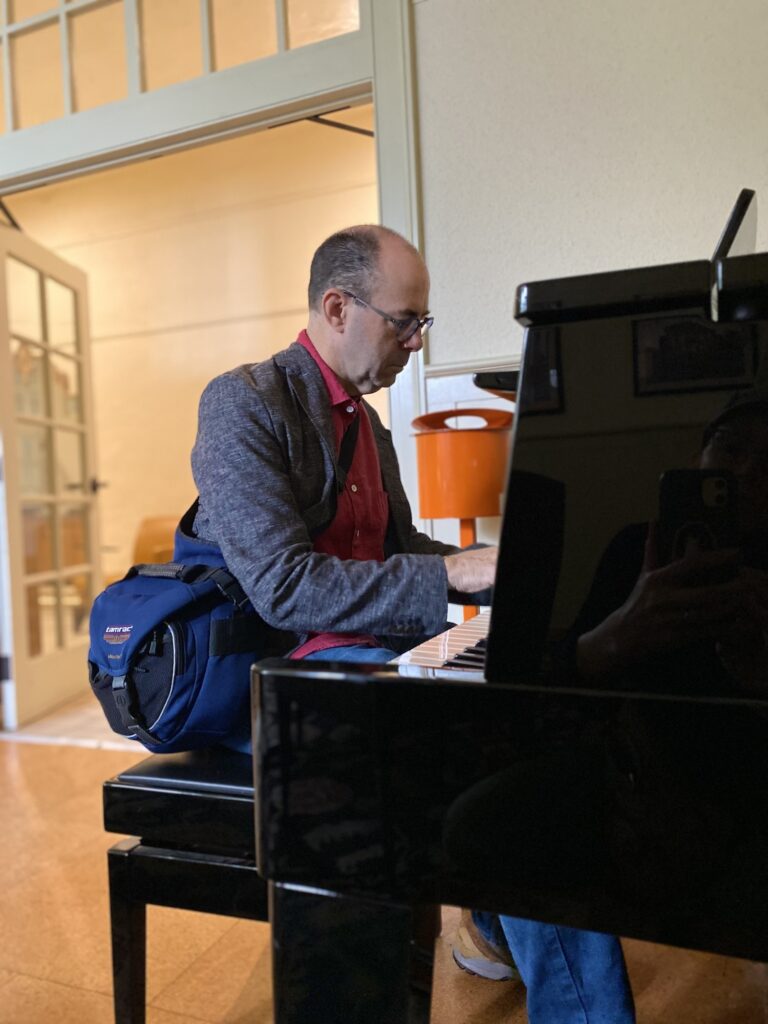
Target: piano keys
[[459, 649]]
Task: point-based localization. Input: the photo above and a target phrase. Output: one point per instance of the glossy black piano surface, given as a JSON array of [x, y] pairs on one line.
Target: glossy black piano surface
[[644, 816]]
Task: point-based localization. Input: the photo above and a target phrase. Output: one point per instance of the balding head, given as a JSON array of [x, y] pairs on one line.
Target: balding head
[[367, 284], [349, 260]]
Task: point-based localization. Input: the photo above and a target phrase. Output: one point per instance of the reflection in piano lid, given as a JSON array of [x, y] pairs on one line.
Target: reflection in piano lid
[[606, 404]]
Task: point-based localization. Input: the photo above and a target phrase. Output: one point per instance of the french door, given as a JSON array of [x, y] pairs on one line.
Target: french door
[[49, 567]]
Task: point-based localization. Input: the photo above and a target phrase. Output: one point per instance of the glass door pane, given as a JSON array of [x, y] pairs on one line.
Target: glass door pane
[[20, 10], [35, 462], [42, 619], [76, 600], [37, 75], [30, 379], [49, 510], [25, 318], [242, 30], [309, 21], [73, 539], [97, 55], [38, 538], [70, 462], [61, 317], [171, 41], [67, 403]]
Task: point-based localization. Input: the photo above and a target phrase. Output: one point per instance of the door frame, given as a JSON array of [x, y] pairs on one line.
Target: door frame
[[69, 674]]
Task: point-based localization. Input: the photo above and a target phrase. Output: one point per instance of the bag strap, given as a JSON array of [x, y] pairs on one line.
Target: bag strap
[[223, 579], [122, 697], [344, 463], [347, 451]]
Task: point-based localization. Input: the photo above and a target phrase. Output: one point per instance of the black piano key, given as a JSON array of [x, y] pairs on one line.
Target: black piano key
[[468, 659]]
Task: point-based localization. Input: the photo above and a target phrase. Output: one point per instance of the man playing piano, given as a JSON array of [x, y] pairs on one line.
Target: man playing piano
[[331, 558]]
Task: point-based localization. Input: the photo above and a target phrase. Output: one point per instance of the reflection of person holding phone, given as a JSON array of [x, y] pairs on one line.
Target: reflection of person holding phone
[[711, 606]]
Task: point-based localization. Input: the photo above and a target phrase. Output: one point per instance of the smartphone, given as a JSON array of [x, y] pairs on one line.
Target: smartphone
[[697, 511]]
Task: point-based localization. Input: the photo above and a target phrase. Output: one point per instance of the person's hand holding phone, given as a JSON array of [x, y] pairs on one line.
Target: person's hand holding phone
[[689, 600]]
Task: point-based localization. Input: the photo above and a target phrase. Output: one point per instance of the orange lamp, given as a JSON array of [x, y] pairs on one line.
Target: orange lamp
[[462, 469]]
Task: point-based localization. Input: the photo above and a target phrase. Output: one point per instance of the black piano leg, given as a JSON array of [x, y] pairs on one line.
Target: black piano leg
[[342, 961], [129, 937]]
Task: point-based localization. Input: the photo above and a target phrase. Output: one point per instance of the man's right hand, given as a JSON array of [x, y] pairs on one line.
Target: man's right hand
[[469, 571]]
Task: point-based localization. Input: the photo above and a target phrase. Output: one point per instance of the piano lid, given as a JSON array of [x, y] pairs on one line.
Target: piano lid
[[668, 287], [616, 293], [621, 374]]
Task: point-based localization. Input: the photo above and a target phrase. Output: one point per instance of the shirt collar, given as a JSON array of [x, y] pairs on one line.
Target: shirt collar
[[336, 392]]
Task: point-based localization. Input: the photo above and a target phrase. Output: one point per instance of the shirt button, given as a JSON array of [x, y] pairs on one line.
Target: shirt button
[[353, 488], [350, 408]]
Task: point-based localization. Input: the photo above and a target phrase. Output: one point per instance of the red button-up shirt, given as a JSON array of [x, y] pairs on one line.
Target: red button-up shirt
[[362, 510]]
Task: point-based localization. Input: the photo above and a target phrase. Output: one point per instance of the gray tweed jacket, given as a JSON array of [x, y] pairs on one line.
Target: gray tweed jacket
[[265, 465]]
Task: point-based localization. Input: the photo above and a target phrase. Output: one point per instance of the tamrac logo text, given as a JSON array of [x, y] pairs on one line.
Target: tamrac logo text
[[117, 634]]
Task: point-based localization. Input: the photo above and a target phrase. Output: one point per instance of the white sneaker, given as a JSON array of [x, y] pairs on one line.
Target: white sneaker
[[476, 955]]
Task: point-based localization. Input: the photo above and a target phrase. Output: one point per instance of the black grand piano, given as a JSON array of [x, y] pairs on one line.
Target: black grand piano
[[632, 802]]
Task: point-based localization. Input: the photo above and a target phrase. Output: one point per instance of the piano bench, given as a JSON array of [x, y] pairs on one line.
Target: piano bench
[[193, 816]]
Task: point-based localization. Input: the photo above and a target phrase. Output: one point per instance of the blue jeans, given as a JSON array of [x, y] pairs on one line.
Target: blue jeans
[[572, 976], [357, 652]]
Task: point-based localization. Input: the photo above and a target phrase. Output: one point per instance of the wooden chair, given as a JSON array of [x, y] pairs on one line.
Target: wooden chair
[[154, 539], [153, 543]]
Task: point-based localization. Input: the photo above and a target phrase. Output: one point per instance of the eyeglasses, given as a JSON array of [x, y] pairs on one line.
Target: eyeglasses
[[405, 328]]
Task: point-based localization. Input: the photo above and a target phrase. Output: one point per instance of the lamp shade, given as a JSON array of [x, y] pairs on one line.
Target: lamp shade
[[462, 470]]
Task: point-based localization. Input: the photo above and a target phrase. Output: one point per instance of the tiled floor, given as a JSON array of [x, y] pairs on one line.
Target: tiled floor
[[54, 935]]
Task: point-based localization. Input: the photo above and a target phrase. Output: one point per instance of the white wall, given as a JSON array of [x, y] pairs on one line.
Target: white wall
[[196, 262], [560, 138]]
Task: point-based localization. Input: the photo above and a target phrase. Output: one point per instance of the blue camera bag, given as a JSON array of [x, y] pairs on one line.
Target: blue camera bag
[[172, 645], [171, 650]]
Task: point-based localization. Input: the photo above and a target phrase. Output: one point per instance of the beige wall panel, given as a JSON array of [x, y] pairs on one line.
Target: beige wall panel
[[253, 169], [570, 138], [241, 264], [196, 263], [146, 428], [146, 433]]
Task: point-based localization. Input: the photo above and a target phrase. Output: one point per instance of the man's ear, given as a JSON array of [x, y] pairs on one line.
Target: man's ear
[[334, 308]]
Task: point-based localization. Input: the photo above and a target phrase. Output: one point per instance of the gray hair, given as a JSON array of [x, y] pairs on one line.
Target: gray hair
[[348, 260]]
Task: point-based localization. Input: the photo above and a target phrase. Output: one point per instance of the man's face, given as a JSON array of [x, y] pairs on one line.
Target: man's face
[[740, 444], [371, 354]]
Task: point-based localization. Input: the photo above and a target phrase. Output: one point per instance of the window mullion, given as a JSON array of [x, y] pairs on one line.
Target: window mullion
[[66, 68], [205, 35], [281, 21], [133, 61], [10, 121]]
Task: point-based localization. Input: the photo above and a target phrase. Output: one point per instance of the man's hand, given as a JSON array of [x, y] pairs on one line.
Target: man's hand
[[473, 570], [692, 600]]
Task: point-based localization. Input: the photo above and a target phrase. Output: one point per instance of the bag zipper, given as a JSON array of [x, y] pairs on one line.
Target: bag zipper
[[177, 666]]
